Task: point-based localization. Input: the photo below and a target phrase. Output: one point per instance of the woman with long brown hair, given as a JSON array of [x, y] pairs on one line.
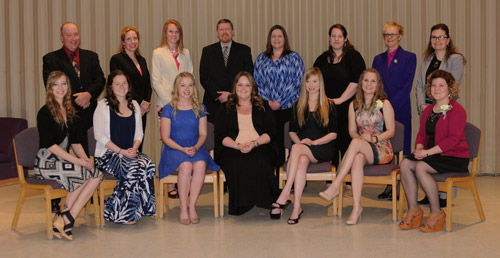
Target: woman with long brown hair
[[58, 130]]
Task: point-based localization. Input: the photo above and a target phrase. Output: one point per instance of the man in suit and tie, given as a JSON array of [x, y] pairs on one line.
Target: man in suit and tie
[[85, 74], [220, 63], [83, 70]]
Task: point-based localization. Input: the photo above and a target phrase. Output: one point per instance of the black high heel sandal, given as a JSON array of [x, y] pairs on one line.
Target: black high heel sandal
[[278, 206], [68, 234], [296, 220]]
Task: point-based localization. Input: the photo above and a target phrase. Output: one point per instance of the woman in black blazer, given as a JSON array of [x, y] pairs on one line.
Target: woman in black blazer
[[128, 59]]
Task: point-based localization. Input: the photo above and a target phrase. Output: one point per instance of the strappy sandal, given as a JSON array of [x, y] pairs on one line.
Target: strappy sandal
[[413, 219], [435, 222], [54, 229], [65, 232], [296, 220], [280, 206]]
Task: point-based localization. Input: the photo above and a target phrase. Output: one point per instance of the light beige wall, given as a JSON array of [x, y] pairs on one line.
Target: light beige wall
[[30, 28]]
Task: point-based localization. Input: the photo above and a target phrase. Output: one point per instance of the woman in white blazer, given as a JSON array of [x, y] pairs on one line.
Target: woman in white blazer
[[169, 59]]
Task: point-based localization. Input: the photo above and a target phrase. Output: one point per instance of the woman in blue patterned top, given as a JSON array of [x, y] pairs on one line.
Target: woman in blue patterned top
[[278, 73]]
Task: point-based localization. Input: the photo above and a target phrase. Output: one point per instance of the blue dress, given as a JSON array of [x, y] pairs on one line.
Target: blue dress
[[184, 131]]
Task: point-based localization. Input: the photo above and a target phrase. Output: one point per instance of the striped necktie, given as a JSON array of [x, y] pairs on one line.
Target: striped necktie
[[225, 54]]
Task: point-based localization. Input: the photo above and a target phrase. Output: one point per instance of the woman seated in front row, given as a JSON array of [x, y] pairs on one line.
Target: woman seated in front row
[[58, 129], [313, 129], [440, 147], [118, 131], [184, 131], [245, 150], [371, 125]]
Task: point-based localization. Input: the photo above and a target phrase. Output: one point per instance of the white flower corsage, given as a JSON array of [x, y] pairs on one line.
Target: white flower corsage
[[379, 104], [444, 109]]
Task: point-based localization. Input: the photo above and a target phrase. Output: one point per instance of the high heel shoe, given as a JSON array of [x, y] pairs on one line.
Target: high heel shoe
[[350, 221], [63, 229], [413, 218], [329, 197], [57, 233], [278, 206], [296, 220], [435, 222]]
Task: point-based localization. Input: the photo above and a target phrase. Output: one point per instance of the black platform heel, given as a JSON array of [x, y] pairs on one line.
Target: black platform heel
[[68, 234], [278, 206]]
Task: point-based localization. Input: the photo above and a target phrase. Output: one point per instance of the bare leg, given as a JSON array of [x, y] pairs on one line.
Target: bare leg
[[409, 181], [76, 200], [292, 168], [357, 175], [356, 146], [428, 183], [300, 183], [199, 168], [184, 184]]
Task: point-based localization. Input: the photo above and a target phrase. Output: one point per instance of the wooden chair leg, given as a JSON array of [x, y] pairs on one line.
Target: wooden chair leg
[[97, 218], [282, 180], [19, 207], [402, 200], [161, 200], [394, 201], [221, 194], [449, 198], [341, 200], [101, 204], [48, 214], [216, 190], [156, 182], [475, 194]]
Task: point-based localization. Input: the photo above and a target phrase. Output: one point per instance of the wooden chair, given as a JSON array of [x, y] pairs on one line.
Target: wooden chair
[[26, 146], [447, 181], [386, 174], [316, 172], [211, 177]]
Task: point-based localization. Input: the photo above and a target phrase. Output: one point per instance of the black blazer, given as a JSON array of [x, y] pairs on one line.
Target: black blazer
[[214, 76], [141, 84], [91, 78], [227, 125]]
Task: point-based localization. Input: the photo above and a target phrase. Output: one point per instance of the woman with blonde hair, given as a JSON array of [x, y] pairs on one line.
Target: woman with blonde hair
[[58, 130], [169, 59], [313, 129], [184, 131]]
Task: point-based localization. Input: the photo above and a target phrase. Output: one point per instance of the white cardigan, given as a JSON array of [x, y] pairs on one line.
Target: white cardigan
[[101, 126], [164, 71]]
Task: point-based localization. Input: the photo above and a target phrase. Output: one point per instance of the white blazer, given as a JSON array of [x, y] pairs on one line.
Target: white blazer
[[101, 126], [165, 70]]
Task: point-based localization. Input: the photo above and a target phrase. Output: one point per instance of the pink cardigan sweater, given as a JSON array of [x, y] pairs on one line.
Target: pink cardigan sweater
[[450, 131]]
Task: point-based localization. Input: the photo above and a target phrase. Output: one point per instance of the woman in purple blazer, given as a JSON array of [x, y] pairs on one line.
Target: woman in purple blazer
[[397, 68]]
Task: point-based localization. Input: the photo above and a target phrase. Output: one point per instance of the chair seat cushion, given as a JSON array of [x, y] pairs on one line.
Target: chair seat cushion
[[315, 167], [379, 170], [53, 183], [444, 176]]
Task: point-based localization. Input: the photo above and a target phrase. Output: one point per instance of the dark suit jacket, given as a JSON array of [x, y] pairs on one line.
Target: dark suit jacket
[[91, 78], [214, 76], [141, 84]]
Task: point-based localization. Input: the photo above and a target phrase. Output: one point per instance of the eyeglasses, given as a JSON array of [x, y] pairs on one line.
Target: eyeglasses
[[434, 38], [392, 35]]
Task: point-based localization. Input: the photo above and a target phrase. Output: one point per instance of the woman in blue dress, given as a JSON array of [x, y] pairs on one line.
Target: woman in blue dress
[[118, 131], [184, 131]]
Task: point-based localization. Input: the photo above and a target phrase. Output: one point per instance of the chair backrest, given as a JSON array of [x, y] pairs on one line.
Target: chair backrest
[[91, 141], [398, 140], [210, 142], [26, 146], [473, 136]]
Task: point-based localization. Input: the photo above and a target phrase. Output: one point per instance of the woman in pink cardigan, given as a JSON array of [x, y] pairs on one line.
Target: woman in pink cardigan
[[441, 147]]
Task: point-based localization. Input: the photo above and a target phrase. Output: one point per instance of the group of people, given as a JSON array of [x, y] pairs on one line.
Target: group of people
[[336, 106]]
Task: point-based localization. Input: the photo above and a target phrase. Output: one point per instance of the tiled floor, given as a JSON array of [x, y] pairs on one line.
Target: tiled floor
[[254, 235]]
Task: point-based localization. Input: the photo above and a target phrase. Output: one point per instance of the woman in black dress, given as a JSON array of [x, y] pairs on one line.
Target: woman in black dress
[[341, 66], [128, 59], [58, 130], [313, 129], [244, 132]]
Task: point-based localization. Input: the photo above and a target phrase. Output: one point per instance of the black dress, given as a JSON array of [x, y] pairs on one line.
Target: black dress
[[337, 77], [250, 176], [314, 130]]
